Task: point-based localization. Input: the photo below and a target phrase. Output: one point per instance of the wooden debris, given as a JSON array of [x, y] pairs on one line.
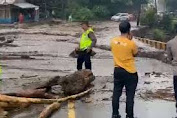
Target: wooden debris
[[76, 82], [32, 93], [11, 105], [74, 54], [3, 114], [5, 98], [49, 110], [71, 84]]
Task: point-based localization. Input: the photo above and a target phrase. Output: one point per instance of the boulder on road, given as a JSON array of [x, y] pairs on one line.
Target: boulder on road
[[77, 82]]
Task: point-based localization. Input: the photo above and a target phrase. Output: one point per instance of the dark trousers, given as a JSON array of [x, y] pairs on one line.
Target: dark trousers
[[84, 57], [123, 78], [175, 87]]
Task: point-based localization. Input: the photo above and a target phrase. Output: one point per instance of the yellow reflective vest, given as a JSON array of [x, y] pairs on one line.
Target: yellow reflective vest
[[86, 42]]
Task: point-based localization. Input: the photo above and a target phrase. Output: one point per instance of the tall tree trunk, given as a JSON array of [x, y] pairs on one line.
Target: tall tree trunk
[[139, 16], [156, 5]]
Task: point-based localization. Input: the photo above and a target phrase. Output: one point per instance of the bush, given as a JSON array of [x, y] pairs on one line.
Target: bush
[[158, 34], [149, 18], [83, 14], [100, 11], [174, 26], [166, 22]]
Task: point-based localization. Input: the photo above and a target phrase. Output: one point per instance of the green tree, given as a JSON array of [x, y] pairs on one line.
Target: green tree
[[101, 8], [171, 5], [150, 18]]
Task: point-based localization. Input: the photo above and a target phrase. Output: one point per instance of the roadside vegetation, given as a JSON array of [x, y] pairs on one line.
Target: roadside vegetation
[[86, 9], [162, 26]]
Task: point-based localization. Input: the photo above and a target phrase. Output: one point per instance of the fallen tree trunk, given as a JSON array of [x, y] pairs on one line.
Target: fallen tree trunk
[[11, 105], [75, 54], [71, 84], [32, 93], [3, 114], [49, 110], [4, 98]]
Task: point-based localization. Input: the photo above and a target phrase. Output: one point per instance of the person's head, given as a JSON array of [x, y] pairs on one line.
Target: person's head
[[85, 25], [125, 27]]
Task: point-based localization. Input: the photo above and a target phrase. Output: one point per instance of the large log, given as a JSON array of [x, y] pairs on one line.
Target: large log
[[49, 110], [32, 93], [5, 98], [11, 105], [70, 84], [75, 54], [3, 114]]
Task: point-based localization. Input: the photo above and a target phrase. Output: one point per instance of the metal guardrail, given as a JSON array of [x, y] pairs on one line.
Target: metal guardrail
[[156, 44]]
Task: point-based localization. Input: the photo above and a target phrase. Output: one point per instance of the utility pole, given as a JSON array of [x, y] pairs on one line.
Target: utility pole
[[63, 8], [46, 8], [5, 9], [139, 13], [156, 5]]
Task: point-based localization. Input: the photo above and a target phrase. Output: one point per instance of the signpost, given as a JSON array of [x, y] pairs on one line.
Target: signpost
[[5, 9]]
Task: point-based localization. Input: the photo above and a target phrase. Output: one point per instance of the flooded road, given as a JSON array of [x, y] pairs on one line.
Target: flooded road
[[156, 109], [48, 56]]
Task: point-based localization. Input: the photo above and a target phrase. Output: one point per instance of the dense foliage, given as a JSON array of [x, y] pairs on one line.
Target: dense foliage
[[87, 9], [149, 18], [171, 5]]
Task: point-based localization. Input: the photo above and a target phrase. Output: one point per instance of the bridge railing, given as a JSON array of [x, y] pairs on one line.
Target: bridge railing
[[156, 44]]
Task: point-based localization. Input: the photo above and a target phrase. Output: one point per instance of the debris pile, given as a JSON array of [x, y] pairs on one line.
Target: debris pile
[[73, 84]]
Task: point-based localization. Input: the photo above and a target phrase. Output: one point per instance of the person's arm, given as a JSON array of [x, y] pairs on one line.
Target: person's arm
[[135, 49], [93, 38], [169, 52]]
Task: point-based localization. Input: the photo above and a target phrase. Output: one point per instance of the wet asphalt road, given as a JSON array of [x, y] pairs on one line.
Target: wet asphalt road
[[154, 109], [51, 59]]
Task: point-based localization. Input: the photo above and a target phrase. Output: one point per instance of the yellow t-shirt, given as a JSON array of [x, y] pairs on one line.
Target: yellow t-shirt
[[123, 51]]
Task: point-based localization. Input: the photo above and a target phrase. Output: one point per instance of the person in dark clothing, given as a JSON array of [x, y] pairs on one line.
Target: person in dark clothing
[[125, 74], [172, 56], [87, 42]]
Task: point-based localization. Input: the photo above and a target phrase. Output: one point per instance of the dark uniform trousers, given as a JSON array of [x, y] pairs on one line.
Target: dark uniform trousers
[[83, 56]]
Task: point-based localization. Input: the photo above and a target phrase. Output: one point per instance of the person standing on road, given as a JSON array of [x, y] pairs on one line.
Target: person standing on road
[[172, 55], [87, 42], [21, 18], [125, 74]]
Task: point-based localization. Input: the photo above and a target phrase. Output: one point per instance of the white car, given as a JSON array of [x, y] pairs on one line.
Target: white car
[[120, 17]]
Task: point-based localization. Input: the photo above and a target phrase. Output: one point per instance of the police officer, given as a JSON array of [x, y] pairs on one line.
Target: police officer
[[87, 42]]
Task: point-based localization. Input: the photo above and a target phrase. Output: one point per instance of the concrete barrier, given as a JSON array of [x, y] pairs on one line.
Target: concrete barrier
[[156, 44]]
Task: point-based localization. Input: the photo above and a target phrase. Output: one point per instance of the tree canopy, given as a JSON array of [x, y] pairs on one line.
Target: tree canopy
[[171, 5], [93, 8]]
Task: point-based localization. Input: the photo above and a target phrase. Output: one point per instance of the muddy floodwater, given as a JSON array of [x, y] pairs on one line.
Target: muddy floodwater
[[41, 52]]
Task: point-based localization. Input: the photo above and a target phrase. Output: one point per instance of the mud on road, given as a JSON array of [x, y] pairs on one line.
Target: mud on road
[[42, 51]]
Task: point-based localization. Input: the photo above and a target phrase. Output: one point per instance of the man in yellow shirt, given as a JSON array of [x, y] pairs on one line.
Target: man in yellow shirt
[[125, 74]]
